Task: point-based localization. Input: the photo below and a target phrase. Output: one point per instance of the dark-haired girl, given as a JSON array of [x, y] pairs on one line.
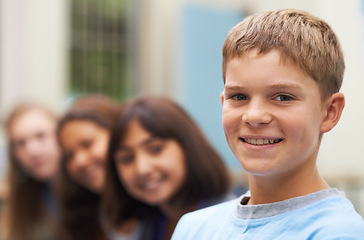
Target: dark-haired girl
[[160, 166], [84, 134]]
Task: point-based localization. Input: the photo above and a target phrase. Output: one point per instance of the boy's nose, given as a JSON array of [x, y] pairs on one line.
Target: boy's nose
[[256, 114]]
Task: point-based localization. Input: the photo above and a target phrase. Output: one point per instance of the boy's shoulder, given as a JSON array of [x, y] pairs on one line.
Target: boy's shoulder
[[335, 216], [330, 215], [202, 223]]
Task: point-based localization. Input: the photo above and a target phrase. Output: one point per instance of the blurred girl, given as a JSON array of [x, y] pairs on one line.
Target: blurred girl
[[84, 133], [30, 210], [159, 167]]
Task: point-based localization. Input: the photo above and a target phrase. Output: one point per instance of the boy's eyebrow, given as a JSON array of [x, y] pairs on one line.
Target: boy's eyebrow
[[282, 86], [233, 87], [286, 86]]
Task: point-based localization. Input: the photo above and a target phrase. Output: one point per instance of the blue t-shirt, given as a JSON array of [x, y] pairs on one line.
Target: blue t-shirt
[[326, 214]]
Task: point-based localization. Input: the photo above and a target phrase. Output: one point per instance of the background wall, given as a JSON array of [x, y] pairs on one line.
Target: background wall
[[33, 50], [179, 55]]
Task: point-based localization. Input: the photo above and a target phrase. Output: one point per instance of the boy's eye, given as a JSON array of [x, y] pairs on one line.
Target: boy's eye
[[283, 98], [239, 97]]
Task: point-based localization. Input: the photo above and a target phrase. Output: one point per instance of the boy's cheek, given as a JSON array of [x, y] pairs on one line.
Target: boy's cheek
[[228, 120]]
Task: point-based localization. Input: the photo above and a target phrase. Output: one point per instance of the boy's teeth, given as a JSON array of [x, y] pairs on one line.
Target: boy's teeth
[[261, 141]]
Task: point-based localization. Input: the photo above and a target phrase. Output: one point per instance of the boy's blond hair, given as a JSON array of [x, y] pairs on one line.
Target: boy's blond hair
[[305, 39]]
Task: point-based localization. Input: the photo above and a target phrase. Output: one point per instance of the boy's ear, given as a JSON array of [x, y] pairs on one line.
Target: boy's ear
[[222, 97], [334, 107]]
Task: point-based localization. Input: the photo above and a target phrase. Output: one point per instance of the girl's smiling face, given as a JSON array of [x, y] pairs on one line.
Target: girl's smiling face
[[85, 144], [151, 169]]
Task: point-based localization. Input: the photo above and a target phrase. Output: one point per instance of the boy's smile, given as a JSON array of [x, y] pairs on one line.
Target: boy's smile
[[272, 114], [261, 141]]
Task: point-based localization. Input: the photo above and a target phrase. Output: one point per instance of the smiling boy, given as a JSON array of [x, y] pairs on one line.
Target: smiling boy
[[282, 72]]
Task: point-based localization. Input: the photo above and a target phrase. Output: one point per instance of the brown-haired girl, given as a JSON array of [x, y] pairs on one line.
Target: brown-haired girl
[[84, 134], [159, 167], [30, 209]]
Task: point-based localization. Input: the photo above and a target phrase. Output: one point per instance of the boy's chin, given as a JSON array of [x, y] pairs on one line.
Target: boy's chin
[[259, 170]]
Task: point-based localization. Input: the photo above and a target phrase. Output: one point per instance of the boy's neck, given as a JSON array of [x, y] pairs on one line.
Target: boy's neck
[[268, 190]]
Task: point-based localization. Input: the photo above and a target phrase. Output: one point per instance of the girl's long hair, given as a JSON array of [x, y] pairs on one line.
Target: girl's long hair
[[207, 177], [79, 207], [24, 216]]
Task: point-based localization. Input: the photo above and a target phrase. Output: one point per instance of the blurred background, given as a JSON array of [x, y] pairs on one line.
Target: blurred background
[[54, 50]]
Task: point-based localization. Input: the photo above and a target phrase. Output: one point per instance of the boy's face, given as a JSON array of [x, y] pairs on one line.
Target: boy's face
[[272, 115]]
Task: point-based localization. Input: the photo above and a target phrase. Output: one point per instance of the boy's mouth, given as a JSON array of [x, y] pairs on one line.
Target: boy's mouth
[[254, 141]]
